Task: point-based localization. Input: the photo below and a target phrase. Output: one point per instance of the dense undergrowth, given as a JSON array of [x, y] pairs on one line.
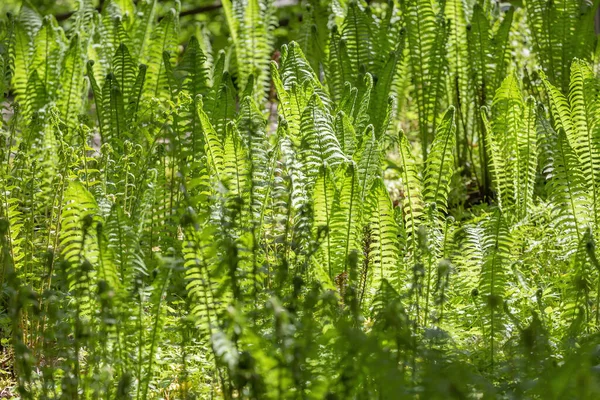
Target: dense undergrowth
[[386, 201]]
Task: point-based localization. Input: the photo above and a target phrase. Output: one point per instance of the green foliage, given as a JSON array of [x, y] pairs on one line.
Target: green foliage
[[334, 199]]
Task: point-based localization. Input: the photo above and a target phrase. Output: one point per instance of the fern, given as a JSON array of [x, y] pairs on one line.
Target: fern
[[345, 222], [497, 249], [369, 161], [567, 189], [412, 202], [356, 35], [384, 252], [559, 30], [70, 99], [48, 43], [512, 147], [459, 66], [78, 242], [251, 25], [186, 211], [439, 166], [214, 148], [323, 197], [319, 145], [426, 40], [235, 162], [20, 58], [163, 39], [585, 136]]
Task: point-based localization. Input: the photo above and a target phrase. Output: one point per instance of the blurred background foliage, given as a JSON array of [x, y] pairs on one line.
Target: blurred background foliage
[[195, 16]]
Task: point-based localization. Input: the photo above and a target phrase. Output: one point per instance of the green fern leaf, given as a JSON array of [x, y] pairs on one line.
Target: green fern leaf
[[586, 139], [20, 59], [439, 167], [164, 39], [319, 144], [497, 164], [235, 161], [368, 159], [338, 66], [323, 197], [567, 186], [213, 146], [49, 43], [497, 245], [193, 70], [514, 138], [142, 27], [384, 254], [346, 220], [70, 97], [412, 202], [77, 239], [426, 44], [124, 71], [356, 34], [345, 133]]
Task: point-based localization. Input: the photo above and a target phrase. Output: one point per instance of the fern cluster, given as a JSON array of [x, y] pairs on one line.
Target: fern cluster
[[338, 199]]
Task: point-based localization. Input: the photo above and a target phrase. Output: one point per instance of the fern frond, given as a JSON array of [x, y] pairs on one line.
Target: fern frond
[[137, 90], [497, 244], [70, 97], [213, 146], [124, 71], [528, 158], [77, 239], [193, 70], [20, 54], [386, 88], [49, 45], [458, 57], [235, 161], [221, 104], [142, 27], [157, 300], [497, 164], [514, 138], [345, 133], [559, 105], [35, 96], [586, 136], [319, 144], [501, 50], [561, 31], [384, 253], [412, 201], [345, 223], [426, 43], [296, 71], [566, 185], [123, 241], [357, 37], [205, 286], [253, 130], [30, 18], [323, 198], [368, 159], [313, 34], [253, 43], [113, 113], [163, 39], [439, 167], [338, 65], [123, 8]]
